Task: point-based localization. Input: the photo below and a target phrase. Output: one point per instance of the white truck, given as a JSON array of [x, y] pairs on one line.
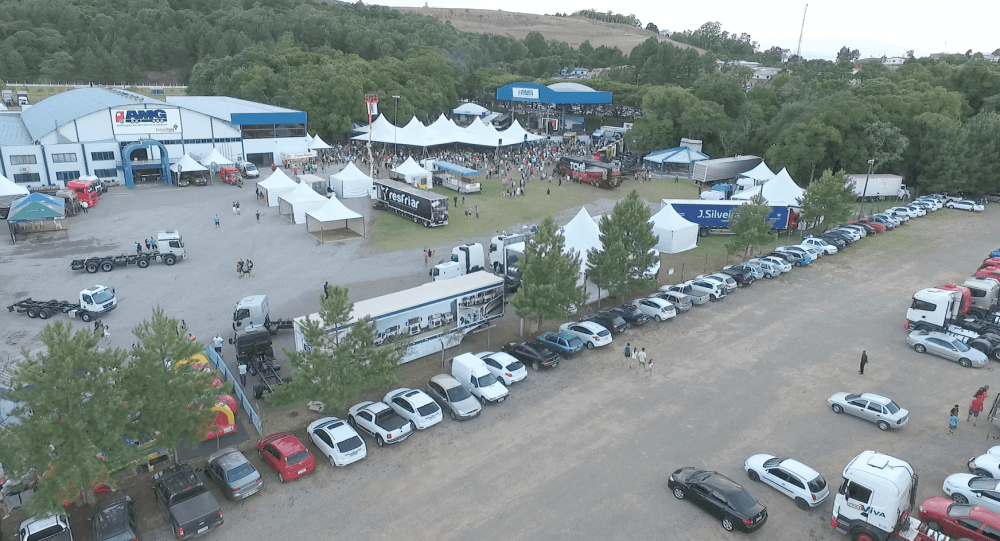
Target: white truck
[[94, 300], [876, 499], [169, 249], [432, 317], [465, 259], [498, 256], [937, 309], [253, 312], [878, 187]]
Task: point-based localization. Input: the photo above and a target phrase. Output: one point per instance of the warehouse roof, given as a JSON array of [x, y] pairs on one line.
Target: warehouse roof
[[12, 130], [238, 111], [62, 108]]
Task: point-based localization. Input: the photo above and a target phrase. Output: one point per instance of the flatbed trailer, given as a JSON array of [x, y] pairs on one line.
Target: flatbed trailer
[[93, 302], [108, 263]]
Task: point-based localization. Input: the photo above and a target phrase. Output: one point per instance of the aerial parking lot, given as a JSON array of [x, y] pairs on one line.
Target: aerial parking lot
[[582, 451]]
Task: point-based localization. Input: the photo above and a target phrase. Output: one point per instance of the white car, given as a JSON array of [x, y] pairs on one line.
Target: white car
[[921, 211], [899, 213], [657, 309], [504, 366], [968, 488], [714, 290], [930, 205], [965, 204], [779, 263], [337, 440], [415, 406], [725, 281], [820, 244], [592, 334], [380, 421], [986, 465], [789, 477], [889, 217], [770, 269], [906, 211], [654, 270]]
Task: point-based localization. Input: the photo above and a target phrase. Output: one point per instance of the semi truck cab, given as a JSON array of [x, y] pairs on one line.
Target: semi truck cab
[[876, 498], [251, 311], [465, 259], [171, 242], [98, 299], [498, 256]]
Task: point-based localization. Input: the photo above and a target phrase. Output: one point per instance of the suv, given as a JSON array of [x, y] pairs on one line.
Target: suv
[[742, 275], [728, 284], [190, 508], [115, 520]]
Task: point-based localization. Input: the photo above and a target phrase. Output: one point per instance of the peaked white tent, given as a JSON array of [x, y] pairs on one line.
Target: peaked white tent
[[412, 173], [758, 175], [675, 232], [187, 164], [318, 144], [214, 156], [9, 192], [780, 189], [294, 204], [323, 223], [351, 182], [274, 186], [443, 131], [582, 234]]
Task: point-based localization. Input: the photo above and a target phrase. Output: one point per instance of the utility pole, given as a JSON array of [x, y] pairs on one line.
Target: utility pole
[[798, 51], [871, 165]]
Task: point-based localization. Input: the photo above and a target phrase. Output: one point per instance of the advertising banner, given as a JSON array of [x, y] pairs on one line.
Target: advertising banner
[[525, 93], [139, 121]]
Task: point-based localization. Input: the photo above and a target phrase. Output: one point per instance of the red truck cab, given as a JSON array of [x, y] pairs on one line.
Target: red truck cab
[[85, 191]]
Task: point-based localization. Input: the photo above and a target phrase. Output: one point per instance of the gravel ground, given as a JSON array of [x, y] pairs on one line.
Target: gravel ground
[[583, 450]]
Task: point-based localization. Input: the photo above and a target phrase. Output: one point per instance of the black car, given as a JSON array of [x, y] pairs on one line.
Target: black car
[[835, 240], [115, 520], [610, 321], [720, 496], [532, 353], [839, 234], [632, 315], [742, 276]]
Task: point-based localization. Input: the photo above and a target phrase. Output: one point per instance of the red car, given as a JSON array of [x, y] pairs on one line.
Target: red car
[[286, 454], [990, 262], [960, 520], [879, 228]]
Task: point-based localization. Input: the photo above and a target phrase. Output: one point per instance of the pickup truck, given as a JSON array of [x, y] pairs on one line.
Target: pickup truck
[[50, 528], [186, 501], [379, 420]]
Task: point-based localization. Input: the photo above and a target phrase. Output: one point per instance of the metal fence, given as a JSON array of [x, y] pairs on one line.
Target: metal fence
[[237, 390]]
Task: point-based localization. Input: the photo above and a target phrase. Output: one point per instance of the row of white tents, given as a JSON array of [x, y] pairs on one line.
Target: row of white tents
[[444, 132], [774, 187], [300, 204]]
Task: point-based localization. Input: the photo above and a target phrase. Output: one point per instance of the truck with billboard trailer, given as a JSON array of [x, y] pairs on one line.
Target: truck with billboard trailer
[[432, 317], [169, 248], [878, 187], [465, 259], [452, 176], [587, 170], [94, 300], [713, 216], [422, 206]]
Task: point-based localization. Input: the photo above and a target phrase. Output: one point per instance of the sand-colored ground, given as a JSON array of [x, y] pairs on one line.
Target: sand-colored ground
[[572, 30]]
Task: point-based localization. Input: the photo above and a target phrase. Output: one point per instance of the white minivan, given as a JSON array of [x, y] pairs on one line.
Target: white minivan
[[472, 373]]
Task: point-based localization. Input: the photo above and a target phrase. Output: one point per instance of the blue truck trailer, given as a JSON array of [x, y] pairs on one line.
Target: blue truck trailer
[[713, 216]]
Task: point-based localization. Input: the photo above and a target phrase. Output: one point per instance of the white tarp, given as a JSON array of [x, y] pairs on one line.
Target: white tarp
[[9, 188], [351, 182], [412, 172], [275, 186], [582, 234], [470, 109], [780, 189], [214, 156], [188, 165], [676, 233], [294, 204]]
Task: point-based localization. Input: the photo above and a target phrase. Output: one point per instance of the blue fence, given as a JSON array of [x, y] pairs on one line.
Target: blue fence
[[237, 389]]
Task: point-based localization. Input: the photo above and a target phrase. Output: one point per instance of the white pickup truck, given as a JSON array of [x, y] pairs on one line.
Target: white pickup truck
[[379, 420]]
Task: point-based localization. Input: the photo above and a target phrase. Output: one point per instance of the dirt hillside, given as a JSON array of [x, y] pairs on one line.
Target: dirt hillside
[[572, 30]]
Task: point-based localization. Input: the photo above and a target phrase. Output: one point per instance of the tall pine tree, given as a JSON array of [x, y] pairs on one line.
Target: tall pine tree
[[549, 278], [626, 254]]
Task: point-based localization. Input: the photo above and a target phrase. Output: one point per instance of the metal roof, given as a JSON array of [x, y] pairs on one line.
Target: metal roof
[[13, 131], [232, 109], [570, 87], [60, 109]]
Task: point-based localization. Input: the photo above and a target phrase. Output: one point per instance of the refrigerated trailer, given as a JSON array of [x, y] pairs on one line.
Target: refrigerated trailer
[[713, 216], [421, 206]]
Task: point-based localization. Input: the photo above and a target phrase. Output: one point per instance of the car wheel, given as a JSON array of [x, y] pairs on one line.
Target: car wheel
[[753, 475], [590, 345], [768, 275], [727, 524], [658, 318], [453, 416], [803, 505], [535, 366], [933, 526], [837, 408], [679, 493], [958, 498], [883, 426], [965, 362], [378, 441], [919, 348], [713, 298]]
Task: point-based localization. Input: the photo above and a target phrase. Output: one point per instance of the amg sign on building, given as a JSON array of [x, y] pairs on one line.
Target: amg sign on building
[[139, 121]]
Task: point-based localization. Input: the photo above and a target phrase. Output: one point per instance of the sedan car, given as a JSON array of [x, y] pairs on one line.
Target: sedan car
[[506, 368], [789, 477], [918, 209], [986, 465], [719, 496], [681, 302], [779, 263], [878, 228], [837, 241], [724, 281], [533, 353], [793, 259], [975, 490], [563, 343], [870, 407], [769, 268], [799, 251], [657, 309], [337, 440], [965, 204], [415, 406], [632, 315], [610, 321], [850, 234], [233, 474], [820, 244], [113, 521], [286, 455], [947, 346], [592, 334], [753, 271], [885, 221], [959, 520], [449, 393]]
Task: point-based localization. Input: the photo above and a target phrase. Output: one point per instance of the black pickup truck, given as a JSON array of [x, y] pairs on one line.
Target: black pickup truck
[[184, 498]]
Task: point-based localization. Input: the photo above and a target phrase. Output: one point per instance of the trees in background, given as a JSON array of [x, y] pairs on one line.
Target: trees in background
[[829, 200]]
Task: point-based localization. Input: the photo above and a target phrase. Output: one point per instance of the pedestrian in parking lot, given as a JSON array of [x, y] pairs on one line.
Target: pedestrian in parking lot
[[248, 268], [237, 208], [974, 409], [981, 393], [953, 422], [258, 216], [243, 374], [649, 368], [864, 361], [239, 269], [148, 246], [234, 208], [628, 353], [426, 256], [106, 335], [217, 344], [326, 290], [217, 221], [641, 357]]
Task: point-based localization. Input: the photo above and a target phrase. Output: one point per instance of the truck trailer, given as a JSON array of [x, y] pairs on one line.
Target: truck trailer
[[465, 259], [713, 216], [422, 206], [878, 187], [169, 248], [590, 171], [431, 317], [94, 300]]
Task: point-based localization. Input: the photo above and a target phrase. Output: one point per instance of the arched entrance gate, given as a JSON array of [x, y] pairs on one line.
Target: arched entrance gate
[[163, 164]]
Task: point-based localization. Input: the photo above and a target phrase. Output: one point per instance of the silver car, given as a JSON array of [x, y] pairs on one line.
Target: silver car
[[724, 280], [697, 297], [233, 473], [947, 346], [870, 407], [454, 397], [681, 302]]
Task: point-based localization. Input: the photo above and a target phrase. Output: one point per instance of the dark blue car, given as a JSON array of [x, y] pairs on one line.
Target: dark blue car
[[561, 342]]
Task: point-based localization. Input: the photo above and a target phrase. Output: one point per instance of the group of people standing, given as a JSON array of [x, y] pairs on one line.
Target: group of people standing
[[244, 269], [975, 408]]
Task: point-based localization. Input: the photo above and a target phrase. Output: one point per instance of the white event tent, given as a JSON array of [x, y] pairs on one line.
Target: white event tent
[[351, 182], [10, 191], [187, 164], [333, 215], [582, 234], [275, 186], [443, 132], [412, 173], [675, 232], [756, 176], [294, 204], [216, 157], [318, 144], [780, 189]]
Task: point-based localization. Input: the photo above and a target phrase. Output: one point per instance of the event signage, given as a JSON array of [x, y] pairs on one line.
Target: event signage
[[401, 198], [134, 121], [525, 93]]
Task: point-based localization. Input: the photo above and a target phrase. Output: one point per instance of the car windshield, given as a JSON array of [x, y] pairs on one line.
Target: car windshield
[[457, 394], [487, 380], [349, 444], [817, 484], [515, 366], [239, 472], [429, 408], [301, 456], [893, 408], [103, 296], [960, 345]]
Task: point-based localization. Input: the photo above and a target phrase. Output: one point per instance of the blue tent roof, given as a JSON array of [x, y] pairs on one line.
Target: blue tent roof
[[558, 93], [675, 155], [37, 206], [457, 169]]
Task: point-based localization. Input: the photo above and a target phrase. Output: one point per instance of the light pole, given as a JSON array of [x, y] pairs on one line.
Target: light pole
[[871, 164], [395, 124]]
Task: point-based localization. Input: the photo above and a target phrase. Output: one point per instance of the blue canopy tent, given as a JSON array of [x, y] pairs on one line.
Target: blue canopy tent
[[32, 211], [677, 161], [455, 168]]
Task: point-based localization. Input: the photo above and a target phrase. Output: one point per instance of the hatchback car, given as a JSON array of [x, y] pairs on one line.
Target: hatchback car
[[903, 211], [947, 346], [770, 269], [233, 474], [790, 477], [533, 353], [820, 244], [720, 496], [798, 251], [899, 213], [681, 302], [657, 309], [415, 406], [851, 234], [563, 343], [632, 315], [987, 464], [592, 334], [450, 394], [959, 520], [506, 368], [794, 259], [878, 228], [726, 282], [778, 261], [337, 440], [114, 521], [965, 204], [286, 455], [919, 209], [885, 221], [837, 241], [696, 296], [608, 320], [870, 407], [968, 488]]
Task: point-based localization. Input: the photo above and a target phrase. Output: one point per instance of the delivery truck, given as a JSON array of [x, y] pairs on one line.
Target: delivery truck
[[878, 187], [421, 206], [713, 216]]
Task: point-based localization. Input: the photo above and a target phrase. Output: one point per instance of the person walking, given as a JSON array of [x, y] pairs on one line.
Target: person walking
[[326, 290], [258, 216], [426, 256], [216, 221], [628, 353], [138, 248], [641, 357], [237, 208], [239, 269], [649, 368], [106, 335], [148, 246], [981, 393], [477, 211], [217, 344], [243, 374], [234, 208], [974, 409], [864, 361], [953, 421], [248, 268]]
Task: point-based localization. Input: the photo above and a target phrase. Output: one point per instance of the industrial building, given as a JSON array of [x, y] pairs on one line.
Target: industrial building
[[122, 136]]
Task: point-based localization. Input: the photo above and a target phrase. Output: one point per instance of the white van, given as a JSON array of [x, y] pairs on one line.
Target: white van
[[472, 373]]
